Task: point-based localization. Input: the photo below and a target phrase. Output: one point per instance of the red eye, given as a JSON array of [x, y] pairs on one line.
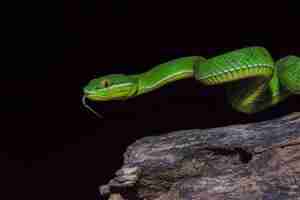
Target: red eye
[[105, 83]]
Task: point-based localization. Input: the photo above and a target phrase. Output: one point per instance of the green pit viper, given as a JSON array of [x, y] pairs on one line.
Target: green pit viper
[[254, 82]]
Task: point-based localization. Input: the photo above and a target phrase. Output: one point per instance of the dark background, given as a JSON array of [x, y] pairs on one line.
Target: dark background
[[52, 147]]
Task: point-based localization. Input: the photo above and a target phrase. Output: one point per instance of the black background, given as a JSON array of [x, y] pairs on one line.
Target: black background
[[52, 147]]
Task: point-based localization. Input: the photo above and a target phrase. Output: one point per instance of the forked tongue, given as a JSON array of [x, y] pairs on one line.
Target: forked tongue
[[89, 108]]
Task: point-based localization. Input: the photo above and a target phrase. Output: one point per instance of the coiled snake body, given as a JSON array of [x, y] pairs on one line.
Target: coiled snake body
[[252, 79]]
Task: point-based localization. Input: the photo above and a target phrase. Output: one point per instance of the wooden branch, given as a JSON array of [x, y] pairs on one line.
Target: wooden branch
[[251, 161]]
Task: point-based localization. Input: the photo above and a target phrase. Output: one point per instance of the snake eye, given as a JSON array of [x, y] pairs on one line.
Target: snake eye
[[105, 83]]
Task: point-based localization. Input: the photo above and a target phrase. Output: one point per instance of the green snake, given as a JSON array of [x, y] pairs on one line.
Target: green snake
[[253, 81]]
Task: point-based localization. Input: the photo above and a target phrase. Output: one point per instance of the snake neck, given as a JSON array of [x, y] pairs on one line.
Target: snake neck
[[165, 73]]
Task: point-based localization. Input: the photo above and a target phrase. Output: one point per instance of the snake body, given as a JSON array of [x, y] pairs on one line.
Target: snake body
[[254, 82]]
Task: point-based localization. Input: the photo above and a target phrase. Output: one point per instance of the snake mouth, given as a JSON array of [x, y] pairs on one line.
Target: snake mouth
[[120, 94], [93, 97]]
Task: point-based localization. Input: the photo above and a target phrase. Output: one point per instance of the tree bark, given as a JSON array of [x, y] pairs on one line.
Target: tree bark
[[248, 161]]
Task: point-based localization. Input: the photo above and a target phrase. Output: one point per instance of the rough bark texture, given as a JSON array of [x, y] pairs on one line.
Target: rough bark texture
[[251, 161]]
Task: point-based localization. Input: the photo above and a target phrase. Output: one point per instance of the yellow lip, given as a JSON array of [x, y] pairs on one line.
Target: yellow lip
[[96, 97]]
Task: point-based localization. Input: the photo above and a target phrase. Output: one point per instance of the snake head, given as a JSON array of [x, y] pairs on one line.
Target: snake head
[[111, 87]]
